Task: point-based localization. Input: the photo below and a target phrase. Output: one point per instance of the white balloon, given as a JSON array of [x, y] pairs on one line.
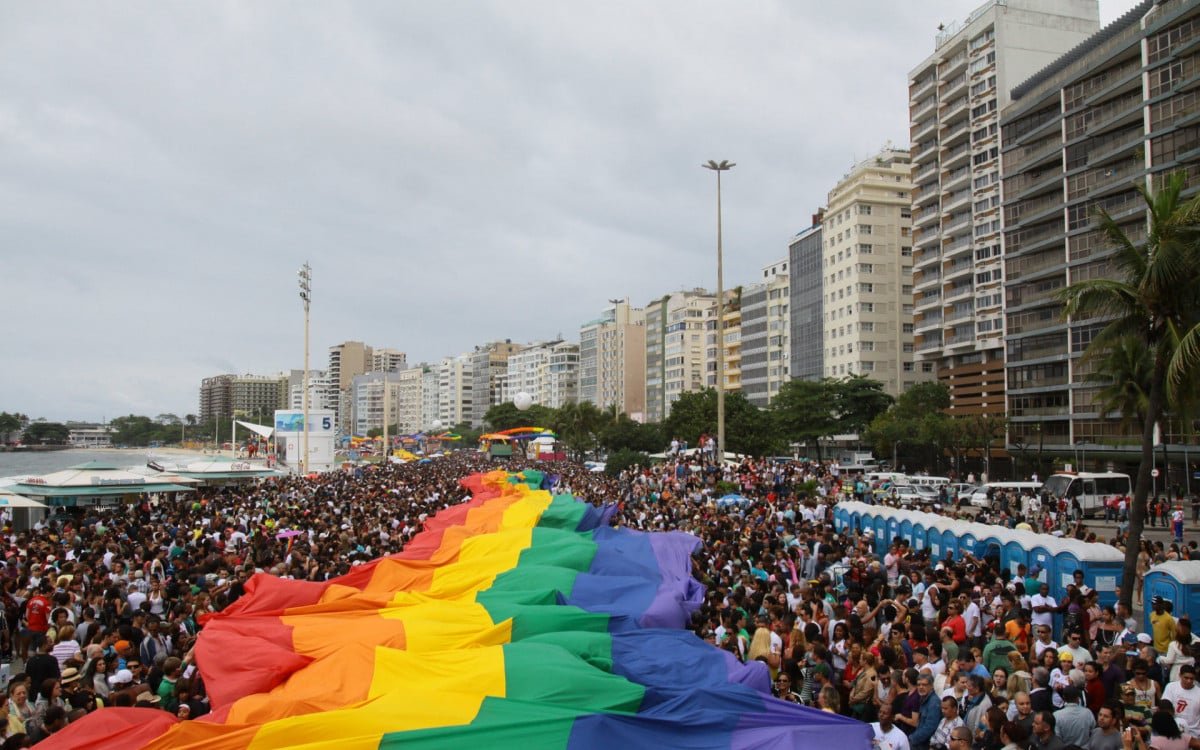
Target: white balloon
[[437, 424], [522, 401]]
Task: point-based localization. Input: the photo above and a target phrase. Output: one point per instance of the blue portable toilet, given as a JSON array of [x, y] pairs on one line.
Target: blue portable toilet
[[1043, 556], [906, 531], [989, 546], [893, 529], [1101, 564], [841, 518], [1013, 553], [966, 543], [950, 541], [880, 524], [1177, 581], [920, 535]]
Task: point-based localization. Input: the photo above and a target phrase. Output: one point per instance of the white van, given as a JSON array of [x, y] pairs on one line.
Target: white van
[[894, 477], [1014, 489], [934, 482], [1092, 490]]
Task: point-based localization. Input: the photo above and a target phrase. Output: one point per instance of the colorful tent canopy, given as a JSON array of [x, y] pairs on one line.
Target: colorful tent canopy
[[517, 619]]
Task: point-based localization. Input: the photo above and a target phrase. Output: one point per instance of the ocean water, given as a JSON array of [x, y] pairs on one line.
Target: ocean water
[[21, 464]]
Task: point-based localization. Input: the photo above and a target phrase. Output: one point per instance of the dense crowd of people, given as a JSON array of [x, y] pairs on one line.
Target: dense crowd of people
[[103, 608]]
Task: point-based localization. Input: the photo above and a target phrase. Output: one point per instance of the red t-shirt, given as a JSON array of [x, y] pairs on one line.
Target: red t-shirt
[[958, 626], [37, 614]]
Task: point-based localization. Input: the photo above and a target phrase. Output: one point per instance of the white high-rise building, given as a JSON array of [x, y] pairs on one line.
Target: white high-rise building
[[955, 98], [371, 405], [867, 264], [429, 397], [548, 371], [454, 390], [612, 361], [410, 398], [322, 393], [766, 334]]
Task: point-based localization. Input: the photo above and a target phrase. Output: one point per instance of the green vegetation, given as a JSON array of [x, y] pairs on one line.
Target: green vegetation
[[47, 433]]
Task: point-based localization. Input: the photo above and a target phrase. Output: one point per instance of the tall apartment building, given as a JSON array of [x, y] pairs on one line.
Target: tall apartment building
[[454, 390], [410, 399], [731, 348], [216, 397], [547, 370], [371, 404], [868, 292], [806, 256], [955, 98], [388, 360], [612, 363], [321, 392], [676, 348], [765, 334], [430, 398], [258, 396], [347, 360], [488, 363], [1119, 110]]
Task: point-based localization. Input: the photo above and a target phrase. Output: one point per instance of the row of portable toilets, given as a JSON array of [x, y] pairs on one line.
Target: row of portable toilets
[[1057, 558]]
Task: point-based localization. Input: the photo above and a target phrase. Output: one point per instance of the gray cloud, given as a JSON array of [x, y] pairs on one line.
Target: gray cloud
[[455, 172]]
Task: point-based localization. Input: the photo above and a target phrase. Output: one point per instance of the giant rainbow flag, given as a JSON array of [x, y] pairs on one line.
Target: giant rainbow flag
[[515, 620]]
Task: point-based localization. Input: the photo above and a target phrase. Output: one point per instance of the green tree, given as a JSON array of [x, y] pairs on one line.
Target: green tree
[[578, 426], [1124, 371], [857, 401], [805, 411], [506, 416], [747, 428], [1153, 296], [9, 423], [916, 425], [622, 460], [629, 434], [47, 433]]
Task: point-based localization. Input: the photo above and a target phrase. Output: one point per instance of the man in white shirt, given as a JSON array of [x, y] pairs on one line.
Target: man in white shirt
[[1044, 607], [887, 735], [972, 616], [891, 562], [1043, 641], [1185, 699]]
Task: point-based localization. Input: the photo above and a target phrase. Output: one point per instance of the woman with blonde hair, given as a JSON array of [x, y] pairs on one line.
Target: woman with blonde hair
[[760, 649], [1020, 679], [828, 699]]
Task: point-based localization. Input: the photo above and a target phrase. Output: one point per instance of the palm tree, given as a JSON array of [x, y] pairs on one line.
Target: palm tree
[[1124, 370], [1156, 299]]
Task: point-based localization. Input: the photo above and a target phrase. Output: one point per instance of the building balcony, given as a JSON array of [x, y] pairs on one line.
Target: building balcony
[[926, 216], [954, 248], [924, 108], [955, 201], [922, 130], [958, 269], [959, 315], [918, 89], [927, 322], [956, 157], [927, 172], [932, 297], [925, 258], [959, 292], [929, 346], [953, 87], [953, 133], [956, 224], [958, 178], [924, 150], [927, 279]]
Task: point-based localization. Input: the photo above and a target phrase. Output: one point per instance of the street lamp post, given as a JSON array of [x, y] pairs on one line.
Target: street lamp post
[[306, 295], [719, 167]]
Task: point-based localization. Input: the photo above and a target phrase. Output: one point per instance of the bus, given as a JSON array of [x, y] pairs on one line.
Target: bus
[[1092, 490]]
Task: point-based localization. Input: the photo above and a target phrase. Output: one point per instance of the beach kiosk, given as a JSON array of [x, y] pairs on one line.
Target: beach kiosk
[[1177, 581]]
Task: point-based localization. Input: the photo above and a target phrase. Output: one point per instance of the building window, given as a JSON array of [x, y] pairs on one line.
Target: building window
[[864, 228], [865, 249], [908, 366], [907, 328]]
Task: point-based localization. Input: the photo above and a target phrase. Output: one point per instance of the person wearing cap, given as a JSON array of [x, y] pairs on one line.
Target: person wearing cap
[[1184, 696], [1162, 625], [1135, 715]]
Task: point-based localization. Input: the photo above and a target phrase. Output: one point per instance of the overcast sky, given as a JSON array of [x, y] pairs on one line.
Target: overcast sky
[[455, 172]]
